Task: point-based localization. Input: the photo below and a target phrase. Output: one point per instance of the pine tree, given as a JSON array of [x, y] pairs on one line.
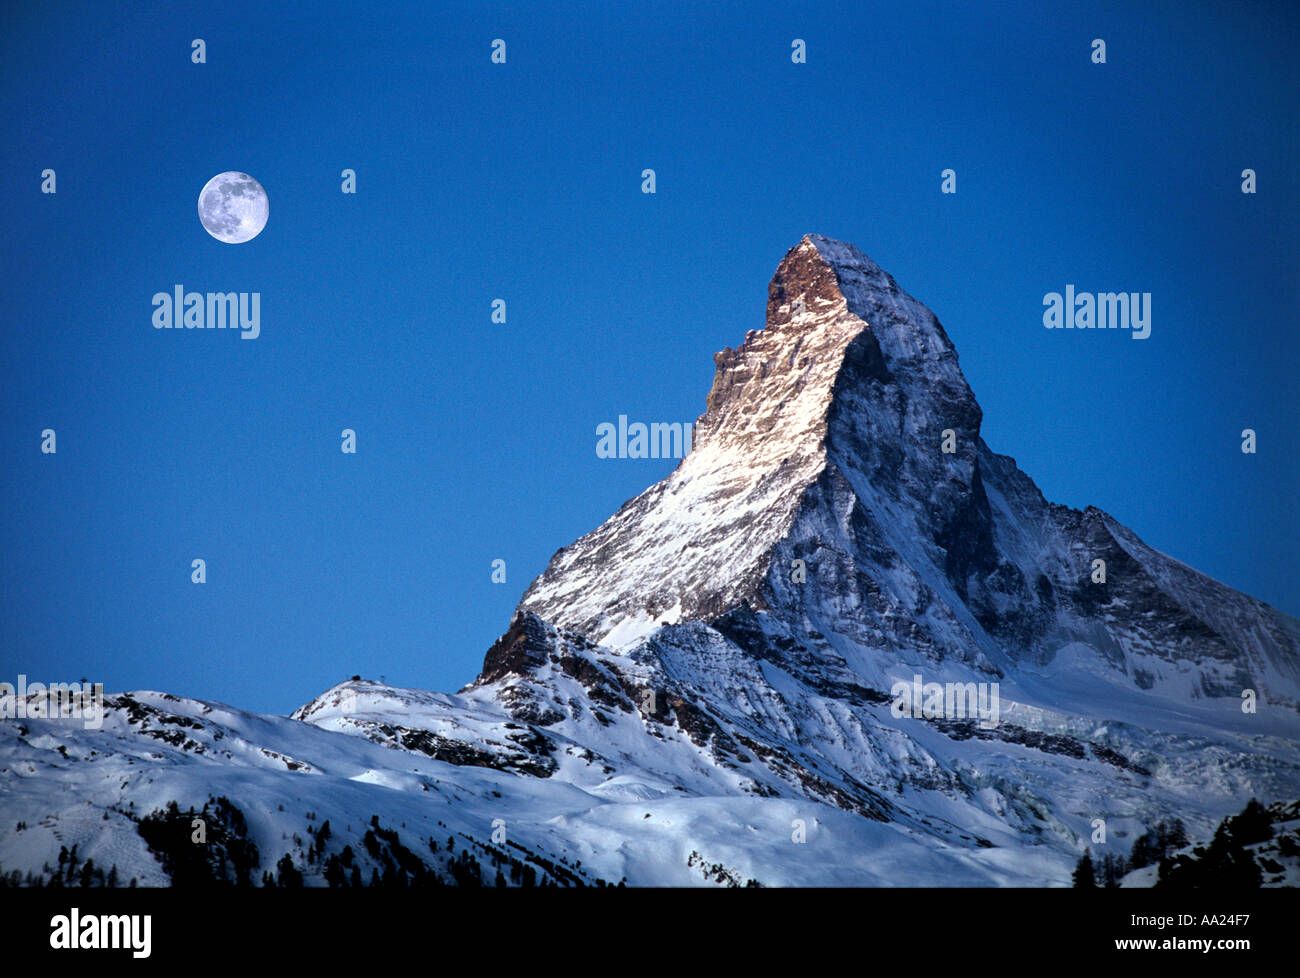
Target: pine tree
[[1110, 869], [1083, 877], [1224, 863], [334, 872], [1175, 835], [1254, 824], [290, 877], [1163, 838]]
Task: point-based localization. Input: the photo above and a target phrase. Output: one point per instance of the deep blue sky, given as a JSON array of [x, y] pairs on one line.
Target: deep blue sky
[[522, 181]]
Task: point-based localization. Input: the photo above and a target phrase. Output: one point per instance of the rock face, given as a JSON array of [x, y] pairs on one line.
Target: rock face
[[716, 663]]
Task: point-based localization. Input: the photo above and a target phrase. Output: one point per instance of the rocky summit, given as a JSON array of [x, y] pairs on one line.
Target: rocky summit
[[708, 688]]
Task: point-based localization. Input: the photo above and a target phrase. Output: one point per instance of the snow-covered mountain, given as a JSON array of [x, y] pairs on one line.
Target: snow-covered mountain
[[703, 689]]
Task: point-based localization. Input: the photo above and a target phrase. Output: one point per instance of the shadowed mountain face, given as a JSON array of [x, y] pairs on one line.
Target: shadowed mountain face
[[719, 661]]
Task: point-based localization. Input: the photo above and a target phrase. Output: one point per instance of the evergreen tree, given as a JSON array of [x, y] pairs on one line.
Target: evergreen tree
[[1223, 864], [290, 877], [1163, 838], [1084, 877], [1110, 869], [1254, 824], [334, 875]]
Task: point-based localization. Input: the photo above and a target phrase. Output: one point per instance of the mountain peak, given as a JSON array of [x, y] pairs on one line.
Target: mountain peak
[[807, 282], [842, 340], [782, 377], [839, 496], [843, 254]]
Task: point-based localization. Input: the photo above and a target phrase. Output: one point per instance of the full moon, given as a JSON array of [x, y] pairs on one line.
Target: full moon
[[233, 207]]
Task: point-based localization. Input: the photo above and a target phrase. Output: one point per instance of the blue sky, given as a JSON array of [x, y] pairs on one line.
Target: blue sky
[[522, 181]]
